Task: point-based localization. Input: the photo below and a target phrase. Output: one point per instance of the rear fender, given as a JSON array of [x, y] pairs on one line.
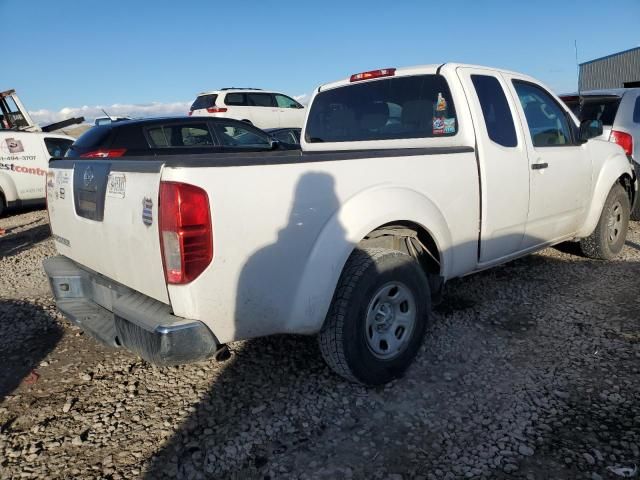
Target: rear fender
[[356, 218], [8, 188], [611, 169]]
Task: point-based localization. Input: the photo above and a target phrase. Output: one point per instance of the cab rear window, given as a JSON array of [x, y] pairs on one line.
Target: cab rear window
[[396, 108]]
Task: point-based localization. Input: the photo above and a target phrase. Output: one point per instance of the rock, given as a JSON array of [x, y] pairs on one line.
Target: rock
[[589, 458], [525, 450], [67, 405]]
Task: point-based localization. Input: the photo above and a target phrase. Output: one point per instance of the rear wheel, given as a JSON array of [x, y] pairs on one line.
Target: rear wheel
[[607, 240], [378, 317], [3, 205]]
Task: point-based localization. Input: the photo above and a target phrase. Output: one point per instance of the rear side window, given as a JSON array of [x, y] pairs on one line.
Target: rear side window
[[286, 102], [57, 147], [204, 101], [260, 100], [405, 107], [286, 136], [196, 135], [636, 111], [235, 134], [238, 99], [495, 110]]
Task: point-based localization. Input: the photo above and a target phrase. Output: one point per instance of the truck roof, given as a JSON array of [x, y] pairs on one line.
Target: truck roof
[[234, 89], [418, 70], [618, 92]]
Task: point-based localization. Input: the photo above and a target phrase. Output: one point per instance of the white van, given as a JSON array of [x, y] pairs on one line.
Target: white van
[[24, 160], [261, 108]]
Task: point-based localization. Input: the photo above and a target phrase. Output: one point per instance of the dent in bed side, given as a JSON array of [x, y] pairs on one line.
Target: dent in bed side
[[609, 165], [359, 216]]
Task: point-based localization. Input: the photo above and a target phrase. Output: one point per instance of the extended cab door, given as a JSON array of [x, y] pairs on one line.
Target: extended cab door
[[503, 165], [560, 167]]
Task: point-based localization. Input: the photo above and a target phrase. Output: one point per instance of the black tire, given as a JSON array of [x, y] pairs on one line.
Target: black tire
[[343, 338], [3, 205], [607, 240]]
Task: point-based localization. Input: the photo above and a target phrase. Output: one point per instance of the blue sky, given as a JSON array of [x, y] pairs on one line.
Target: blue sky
[[66, 53]]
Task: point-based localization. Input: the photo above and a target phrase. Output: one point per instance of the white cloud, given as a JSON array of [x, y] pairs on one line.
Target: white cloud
[[155, 109], [304, 98]]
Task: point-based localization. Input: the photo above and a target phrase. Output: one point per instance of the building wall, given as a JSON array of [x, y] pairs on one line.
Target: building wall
[[612, 71]]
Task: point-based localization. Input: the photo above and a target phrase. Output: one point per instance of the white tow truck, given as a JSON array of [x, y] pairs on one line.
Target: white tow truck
[[25, 150], [407, 178]]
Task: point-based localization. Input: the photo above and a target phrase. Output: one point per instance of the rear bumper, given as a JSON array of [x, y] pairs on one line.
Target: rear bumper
[[118, 316]]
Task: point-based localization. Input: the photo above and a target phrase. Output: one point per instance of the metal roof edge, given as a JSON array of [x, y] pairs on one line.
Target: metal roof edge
[[609, 56]]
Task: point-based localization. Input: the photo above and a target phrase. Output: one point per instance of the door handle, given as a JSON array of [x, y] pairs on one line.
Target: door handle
[[539, 166]]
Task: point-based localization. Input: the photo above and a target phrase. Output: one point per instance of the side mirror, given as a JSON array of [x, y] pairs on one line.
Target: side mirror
[[590, 129]]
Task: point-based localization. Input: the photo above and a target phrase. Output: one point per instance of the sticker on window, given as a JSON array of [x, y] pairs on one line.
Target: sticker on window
[[449, 125], [117, 185], [441, 104], [438, 125]]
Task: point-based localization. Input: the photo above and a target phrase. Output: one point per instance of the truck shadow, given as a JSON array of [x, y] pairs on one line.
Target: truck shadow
[[28, 333], [266, 375]]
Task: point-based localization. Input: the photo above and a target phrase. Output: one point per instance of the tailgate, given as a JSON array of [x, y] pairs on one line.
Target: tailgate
[[104, 215]]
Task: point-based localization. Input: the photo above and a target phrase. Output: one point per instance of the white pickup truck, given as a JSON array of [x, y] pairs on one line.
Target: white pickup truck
[[407, 178]]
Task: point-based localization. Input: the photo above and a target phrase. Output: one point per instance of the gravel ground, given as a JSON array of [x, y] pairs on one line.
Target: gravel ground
[[530, 370]]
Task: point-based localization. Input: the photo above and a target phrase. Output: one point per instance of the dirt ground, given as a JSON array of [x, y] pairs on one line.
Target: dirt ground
[[530, 370]]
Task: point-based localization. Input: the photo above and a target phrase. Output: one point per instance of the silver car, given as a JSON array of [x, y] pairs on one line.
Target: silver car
[[619, 110]]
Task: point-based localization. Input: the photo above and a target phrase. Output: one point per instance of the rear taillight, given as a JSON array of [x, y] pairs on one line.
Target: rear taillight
[[190, 112], [105, 153], [186, 234], [624, 140], [384, 72], [216, 110]]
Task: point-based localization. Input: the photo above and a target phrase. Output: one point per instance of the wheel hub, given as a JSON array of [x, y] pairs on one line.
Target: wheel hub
[[614, 223], [384, 316], [391, 317]]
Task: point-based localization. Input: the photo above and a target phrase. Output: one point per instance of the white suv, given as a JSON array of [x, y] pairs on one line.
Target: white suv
[[261, 108]]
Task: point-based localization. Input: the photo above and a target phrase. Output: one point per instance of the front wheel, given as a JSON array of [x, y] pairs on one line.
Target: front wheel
[[607, 240], [378, 316]]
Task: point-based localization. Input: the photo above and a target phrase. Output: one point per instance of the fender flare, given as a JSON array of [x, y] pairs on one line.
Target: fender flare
[[357, 217], [612, 169], [8, 188]]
